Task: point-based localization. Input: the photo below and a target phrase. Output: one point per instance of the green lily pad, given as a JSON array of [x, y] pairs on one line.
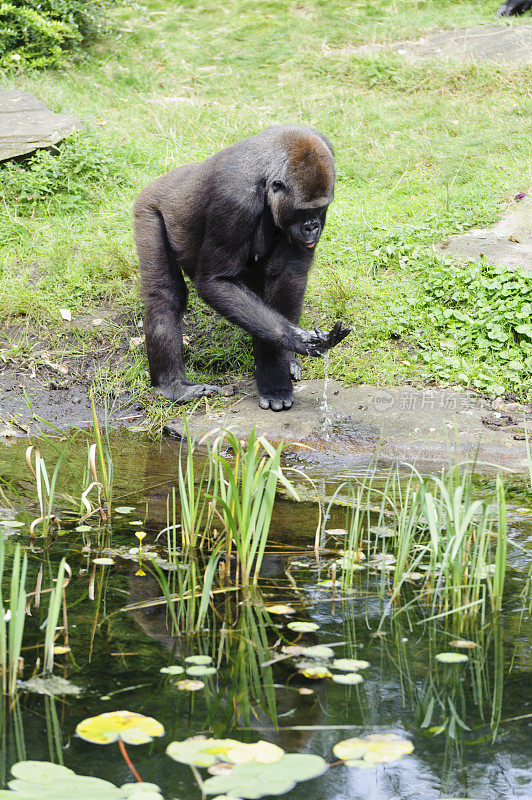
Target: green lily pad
[[11, 523], [349, 678], [40, 772], [199, 660], [350, 664], [124, 509], [376, 749], [104, 562], [452, 658], [303, 627], [317, 651], [173, 669], [250, 781], [201, 671], [202, 752], [52, 685]]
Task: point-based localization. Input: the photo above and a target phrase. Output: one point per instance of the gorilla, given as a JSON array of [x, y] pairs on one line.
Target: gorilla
[[514, 7], [243, 226]]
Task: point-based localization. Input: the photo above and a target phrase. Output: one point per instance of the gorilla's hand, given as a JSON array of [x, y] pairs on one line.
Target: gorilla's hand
[[318, 342]]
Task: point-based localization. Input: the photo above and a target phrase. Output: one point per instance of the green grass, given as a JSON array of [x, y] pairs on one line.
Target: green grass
[[423, 150]]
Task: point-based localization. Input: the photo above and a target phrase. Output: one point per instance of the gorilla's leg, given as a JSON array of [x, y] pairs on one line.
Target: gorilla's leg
[[165, 297], [274, 366]]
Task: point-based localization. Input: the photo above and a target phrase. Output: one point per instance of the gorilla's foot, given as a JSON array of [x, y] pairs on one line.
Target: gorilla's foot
[[295, 369], [185, 392], [276, 400]]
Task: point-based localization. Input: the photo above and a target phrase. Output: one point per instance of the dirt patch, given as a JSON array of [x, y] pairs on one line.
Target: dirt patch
[[499, 43]]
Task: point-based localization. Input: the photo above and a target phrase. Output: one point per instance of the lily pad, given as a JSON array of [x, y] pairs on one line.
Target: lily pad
[[41, 780], [105, 562], [349, 678], [303, 627], [452, 658], [201, 672], [466, 644], [173, 669], [199, 660], [317, 651], [189, 686], [253, 780], [11, 523], [83, 528], [376, 748], [280, 609], [128, 726], [41, 772], [202, 752], [350, 664], [316, 672], [124, 509]]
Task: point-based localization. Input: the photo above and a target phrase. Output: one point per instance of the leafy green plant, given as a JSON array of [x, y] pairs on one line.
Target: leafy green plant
[[246, 496], [40, 33], [479, 317], [64, 176]]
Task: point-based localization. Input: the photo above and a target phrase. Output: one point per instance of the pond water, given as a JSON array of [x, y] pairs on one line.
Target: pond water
[[470, 723]]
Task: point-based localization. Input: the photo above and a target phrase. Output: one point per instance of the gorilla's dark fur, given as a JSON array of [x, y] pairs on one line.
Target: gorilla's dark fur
[[514, 7], [243, 226]]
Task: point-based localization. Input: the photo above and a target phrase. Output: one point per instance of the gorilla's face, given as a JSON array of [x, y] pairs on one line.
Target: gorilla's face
[[306, 226], [302, 225]]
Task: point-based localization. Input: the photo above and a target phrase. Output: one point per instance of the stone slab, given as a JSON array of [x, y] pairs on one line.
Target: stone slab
[[508, 243], [26, 124], [499, 43], [425, 427]]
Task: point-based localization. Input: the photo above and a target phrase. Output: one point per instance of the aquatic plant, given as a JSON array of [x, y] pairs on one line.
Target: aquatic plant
[[124, 727], [34, 780], [13, 617], [251, 770], [247, 496]]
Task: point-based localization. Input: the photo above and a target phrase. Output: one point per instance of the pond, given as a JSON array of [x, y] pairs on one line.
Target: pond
[[467, 723]]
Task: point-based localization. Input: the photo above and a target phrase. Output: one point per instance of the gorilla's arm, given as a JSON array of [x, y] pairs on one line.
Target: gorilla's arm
[[514, 7], [240, 305]]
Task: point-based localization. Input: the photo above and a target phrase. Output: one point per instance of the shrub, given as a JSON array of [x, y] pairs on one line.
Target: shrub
[[39, 33], [62, 177], [479, 317]]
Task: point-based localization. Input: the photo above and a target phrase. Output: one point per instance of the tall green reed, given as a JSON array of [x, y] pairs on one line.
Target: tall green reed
[[246, 496]]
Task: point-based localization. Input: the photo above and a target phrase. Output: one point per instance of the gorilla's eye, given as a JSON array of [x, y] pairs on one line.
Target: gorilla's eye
[[277, 186]]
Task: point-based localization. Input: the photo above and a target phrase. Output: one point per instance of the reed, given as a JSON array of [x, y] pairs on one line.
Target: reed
[[246, 496]]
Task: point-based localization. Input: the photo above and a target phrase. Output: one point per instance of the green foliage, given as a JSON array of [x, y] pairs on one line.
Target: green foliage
[[60, 178], [39, 33], [479, 320]]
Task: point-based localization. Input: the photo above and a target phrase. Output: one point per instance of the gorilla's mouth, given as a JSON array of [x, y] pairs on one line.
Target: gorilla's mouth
[[310, 245]]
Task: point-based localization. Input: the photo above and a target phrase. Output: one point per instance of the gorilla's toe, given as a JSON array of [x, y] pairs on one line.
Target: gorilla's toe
[[186, 392], [276, 403]]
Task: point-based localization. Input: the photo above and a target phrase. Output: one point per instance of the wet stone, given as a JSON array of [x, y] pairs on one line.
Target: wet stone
[[508, 243], [425, 427], [26, 124]]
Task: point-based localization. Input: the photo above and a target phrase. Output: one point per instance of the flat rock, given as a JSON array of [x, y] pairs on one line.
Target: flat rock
[[425, 427], [500, 43], [26, 124], [508, 243]]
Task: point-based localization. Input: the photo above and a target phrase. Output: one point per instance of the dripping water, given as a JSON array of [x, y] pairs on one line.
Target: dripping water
[[326, 424]]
